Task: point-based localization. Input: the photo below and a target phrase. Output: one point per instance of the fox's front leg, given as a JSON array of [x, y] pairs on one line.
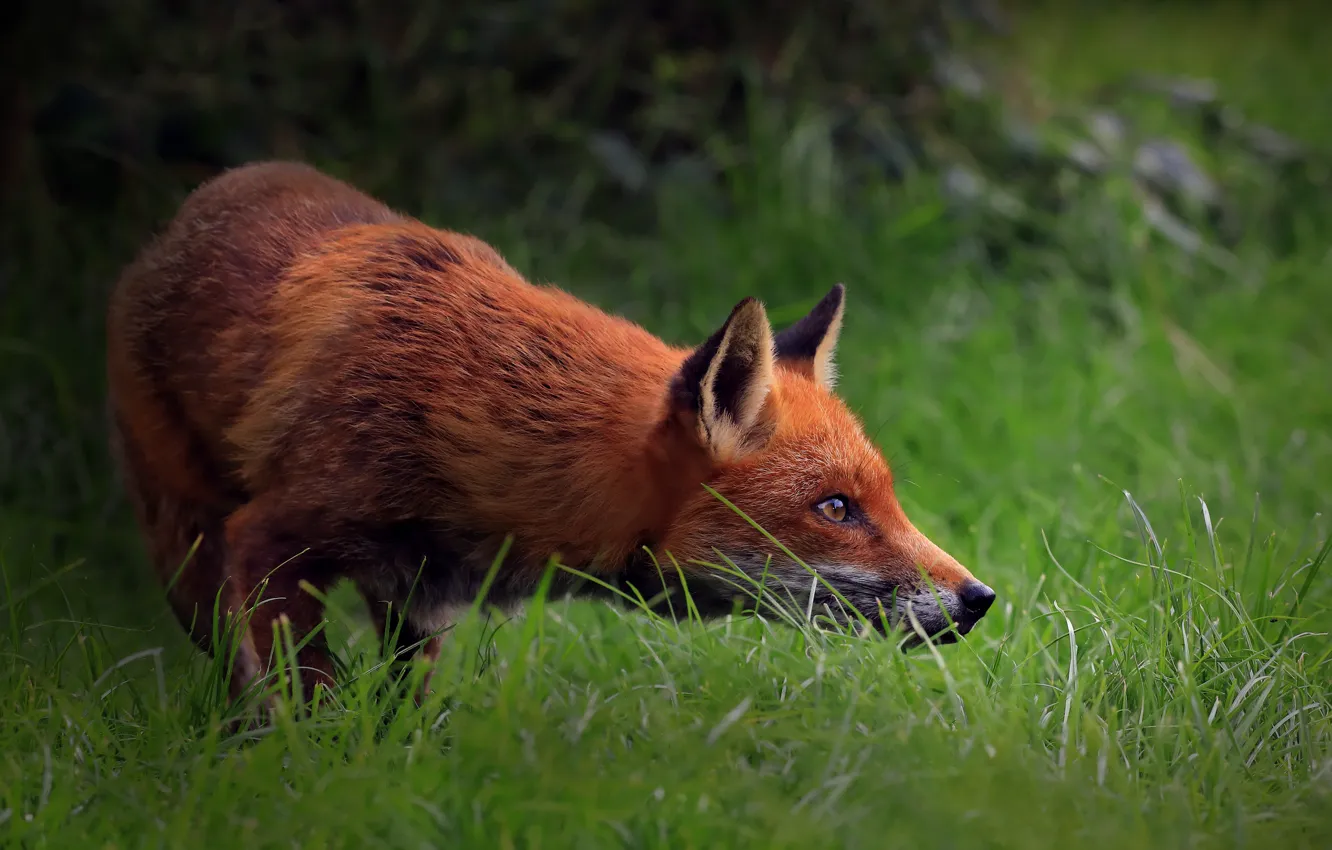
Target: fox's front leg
[[265, 561], [400, 635]]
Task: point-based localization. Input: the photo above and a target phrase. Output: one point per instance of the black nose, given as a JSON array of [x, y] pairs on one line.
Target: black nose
[[976, 597]]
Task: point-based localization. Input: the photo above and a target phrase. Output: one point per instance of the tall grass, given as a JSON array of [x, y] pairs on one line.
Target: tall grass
[[1164, 708]]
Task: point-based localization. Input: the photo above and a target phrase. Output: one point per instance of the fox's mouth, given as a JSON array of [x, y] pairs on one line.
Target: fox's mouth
[[914, 620], [965, 626], [947, 633], [950, 635], [948, 619], [900, 612]]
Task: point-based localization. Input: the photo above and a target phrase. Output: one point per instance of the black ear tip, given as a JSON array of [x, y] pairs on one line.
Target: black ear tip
[[829, 304]]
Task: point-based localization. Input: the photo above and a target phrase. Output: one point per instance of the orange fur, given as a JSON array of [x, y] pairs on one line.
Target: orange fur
[[319, 387]]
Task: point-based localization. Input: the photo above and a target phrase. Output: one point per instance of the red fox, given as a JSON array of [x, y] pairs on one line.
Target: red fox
[[306, 385]]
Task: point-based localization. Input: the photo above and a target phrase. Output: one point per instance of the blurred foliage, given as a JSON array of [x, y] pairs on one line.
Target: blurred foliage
[[472, 104], [505, 86]]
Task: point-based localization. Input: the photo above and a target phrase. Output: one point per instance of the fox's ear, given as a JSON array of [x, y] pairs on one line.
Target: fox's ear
[[809, 345], [720, 388]]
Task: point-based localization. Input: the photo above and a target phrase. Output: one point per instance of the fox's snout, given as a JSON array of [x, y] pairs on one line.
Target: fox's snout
[[965, 607], [916, 589], [947, 593]]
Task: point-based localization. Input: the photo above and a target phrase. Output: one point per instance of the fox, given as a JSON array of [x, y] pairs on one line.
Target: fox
[[306, 386]]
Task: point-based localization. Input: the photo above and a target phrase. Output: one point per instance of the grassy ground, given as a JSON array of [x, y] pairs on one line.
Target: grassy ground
[[1137, 469]]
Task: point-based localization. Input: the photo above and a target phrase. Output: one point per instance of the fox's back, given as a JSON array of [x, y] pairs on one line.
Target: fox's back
[[286, 327], [457, 386], [189, 317]]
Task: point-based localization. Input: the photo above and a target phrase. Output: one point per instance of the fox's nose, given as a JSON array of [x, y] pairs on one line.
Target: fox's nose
[[976, 597]]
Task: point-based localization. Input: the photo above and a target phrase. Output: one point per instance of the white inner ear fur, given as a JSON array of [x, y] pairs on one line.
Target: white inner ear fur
[[825, 365], [748, 345]]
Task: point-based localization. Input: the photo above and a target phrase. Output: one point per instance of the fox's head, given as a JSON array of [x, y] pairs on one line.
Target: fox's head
[[786, 451]]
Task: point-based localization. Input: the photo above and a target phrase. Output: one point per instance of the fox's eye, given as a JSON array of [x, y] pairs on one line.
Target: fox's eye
[[834, 508]]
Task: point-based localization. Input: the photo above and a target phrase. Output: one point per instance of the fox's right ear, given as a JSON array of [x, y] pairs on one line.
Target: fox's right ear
[[720, 388], [809, 345]]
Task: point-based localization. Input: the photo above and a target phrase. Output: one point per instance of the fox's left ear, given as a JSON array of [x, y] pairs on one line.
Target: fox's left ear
[[809, 345], [721, 387]]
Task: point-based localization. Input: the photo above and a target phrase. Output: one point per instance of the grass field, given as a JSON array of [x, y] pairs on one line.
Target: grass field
[[1140, 470]]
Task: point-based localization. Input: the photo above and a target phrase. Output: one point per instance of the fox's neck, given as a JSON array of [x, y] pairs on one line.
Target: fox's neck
[[595, 470], [638, 502]]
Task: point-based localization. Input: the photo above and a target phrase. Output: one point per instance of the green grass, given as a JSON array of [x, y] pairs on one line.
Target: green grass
[[1268, 60], [1140, 470]]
